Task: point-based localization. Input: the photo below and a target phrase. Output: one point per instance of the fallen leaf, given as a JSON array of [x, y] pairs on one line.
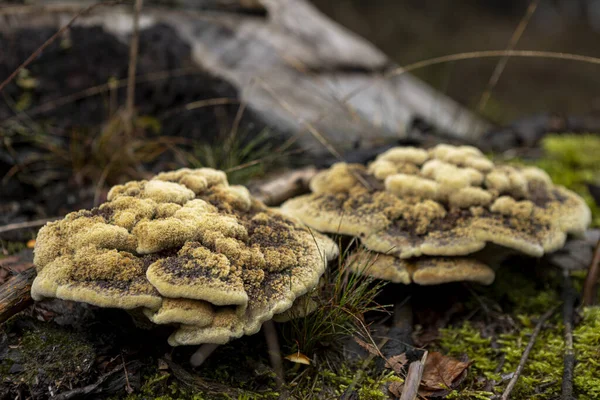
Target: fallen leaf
[[298, 358], [396, 388], [396, 362], [441, 374], [368, 347]]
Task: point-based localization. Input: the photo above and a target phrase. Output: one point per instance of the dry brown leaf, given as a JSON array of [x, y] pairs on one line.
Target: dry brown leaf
[[298, 358], [442, 373], [396, 388], [396, 362], [368, 347]]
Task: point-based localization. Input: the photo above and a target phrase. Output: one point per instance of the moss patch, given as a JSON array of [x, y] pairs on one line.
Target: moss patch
[[44, 357], [496, 348]]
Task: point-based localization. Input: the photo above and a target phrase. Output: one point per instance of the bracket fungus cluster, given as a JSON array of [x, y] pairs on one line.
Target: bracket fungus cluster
[[425, 212], [189, 250]]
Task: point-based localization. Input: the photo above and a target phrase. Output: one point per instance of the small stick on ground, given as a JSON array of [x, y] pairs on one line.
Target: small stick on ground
[[128, 387], [413, 379], [275, 191], [569, 295], [25, 225], [15, 294], [590, 286], [521, 366], [274, 352]]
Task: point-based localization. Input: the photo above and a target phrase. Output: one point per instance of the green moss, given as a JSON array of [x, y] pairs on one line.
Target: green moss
[[496, 352], [47, 356], [587, 349]]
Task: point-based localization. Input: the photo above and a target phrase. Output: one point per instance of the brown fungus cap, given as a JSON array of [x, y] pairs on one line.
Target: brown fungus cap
[[445, 201], [421, 270], [188, 248]]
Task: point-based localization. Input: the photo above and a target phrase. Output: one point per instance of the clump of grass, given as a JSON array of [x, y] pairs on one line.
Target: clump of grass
[[116, 151], [343, 300], [242, 158]]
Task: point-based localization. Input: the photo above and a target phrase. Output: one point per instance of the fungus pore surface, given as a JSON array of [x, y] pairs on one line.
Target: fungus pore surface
[[189, 249]]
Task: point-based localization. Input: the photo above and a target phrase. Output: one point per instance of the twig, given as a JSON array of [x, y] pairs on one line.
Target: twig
[[591, 280], [516, 36], [128, 387], [133, 56], [413, 379], [521, 366], [274, 352], [25, 225], [89, 389], [48, 42], [569, 356]]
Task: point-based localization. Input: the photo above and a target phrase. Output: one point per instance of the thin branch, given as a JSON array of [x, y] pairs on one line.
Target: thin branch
[[25, 225], [591, 281], [521, 366], [133, 56], [569, 359], [413, 379], [516, 36], [52, 38]]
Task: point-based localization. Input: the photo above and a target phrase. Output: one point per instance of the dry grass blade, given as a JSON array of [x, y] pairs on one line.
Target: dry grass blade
[[315, 132], [52, 38], [99, 89], [25, 225], [470, 56], [133, 56], [516, 36]]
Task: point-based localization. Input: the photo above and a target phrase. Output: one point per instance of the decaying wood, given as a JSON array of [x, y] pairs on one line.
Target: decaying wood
[[15, 294], [525, 356], [284, 186], [290, 56], [413, 379], [590, 287]]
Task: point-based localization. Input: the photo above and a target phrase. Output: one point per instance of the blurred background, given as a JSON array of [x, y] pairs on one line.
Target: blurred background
[[412, 30], [244, 85]]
